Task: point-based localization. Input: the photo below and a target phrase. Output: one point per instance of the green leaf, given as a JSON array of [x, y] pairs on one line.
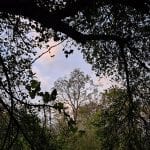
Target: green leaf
[[59, 106], [32, 94], [53, 95], [35, 85], [46, 97]]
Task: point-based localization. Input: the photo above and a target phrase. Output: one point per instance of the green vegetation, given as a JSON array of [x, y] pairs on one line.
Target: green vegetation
[[113, 37], [113, 119]]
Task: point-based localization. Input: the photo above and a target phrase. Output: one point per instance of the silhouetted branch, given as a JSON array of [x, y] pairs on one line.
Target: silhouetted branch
[[16, 122], [49, 49], [53, 19]]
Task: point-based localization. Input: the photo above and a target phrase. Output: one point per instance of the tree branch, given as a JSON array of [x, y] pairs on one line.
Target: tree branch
[[54, 19], [16, 122], [46, 51]]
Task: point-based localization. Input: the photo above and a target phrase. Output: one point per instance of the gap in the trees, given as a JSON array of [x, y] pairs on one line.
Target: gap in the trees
[[54, 65]]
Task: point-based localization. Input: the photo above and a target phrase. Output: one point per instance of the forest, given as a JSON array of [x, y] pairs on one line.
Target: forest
[[114, 37]]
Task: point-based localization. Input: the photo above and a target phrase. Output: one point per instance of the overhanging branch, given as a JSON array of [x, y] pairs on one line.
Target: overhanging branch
[[16, 122], [29, 9]]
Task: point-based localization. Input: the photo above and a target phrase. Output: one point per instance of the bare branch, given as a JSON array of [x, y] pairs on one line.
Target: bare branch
[[49, 49]]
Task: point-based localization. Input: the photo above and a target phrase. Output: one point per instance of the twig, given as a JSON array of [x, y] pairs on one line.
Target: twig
[[27, 44], [16, 122], [25, 103], [46, 51]]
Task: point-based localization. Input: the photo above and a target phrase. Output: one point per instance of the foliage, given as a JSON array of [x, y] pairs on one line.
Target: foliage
[[113, 37], [112, 123], [38, 137], [75, 91], [77, 19], [84, 136], [15, 82]]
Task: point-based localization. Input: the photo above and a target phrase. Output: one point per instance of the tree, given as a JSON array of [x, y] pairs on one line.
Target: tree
[[114, 34], [112, 123], [39, 137], [59, 10], [84, 136], [113, 37], [17, 88], [75, 91]]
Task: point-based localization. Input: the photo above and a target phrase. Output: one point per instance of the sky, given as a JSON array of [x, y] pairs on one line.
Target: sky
[[48, 69]]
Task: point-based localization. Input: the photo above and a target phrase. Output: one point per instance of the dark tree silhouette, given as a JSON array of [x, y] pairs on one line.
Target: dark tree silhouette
[[112, 35]]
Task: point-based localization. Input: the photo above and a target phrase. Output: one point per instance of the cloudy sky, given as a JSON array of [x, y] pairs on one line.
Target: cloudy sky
[[48, 69]]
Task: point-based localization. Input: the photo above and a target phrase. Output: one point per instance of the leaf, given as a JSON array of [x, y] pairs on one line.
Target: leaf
[[32, 94], [46, 97], [59, 106], [53, 95], [33, 88], [40, 94], [28, 87], [35, 85]]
